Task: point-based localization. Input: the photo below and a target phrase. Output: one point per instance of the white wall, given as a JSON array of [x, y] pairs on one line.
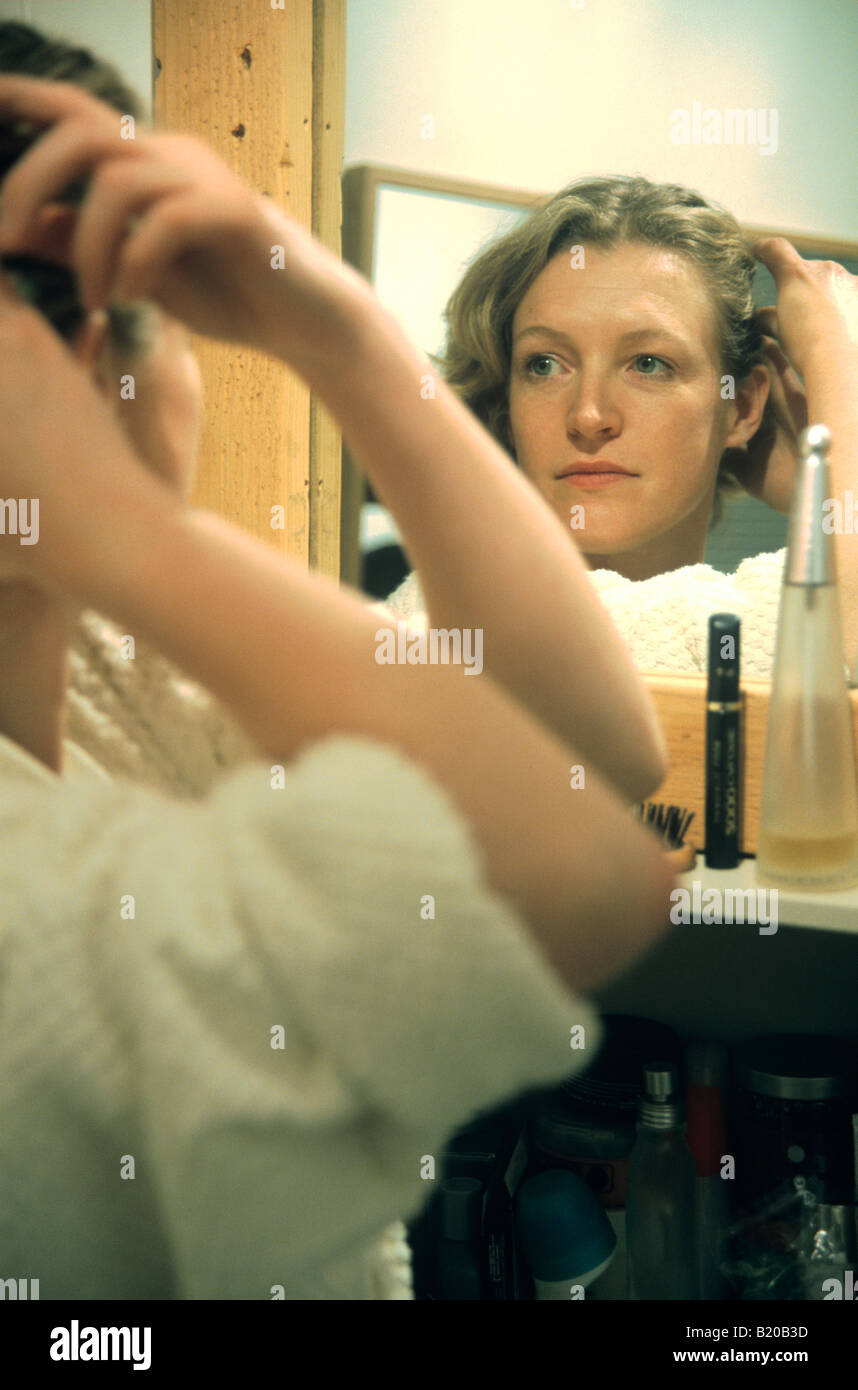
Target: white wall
[[118, 30], [534, 93]]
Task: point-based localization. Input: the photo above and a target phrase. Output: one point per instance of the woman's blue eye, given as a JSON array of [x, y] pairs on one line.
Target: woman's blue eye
[[537, 357], [648, 357]]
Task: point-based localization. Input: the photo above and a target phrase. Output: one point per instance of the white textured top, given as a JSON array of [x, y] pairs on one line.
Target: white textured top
[[144, 721], [227, 1034], [664, 621], [140, 717]]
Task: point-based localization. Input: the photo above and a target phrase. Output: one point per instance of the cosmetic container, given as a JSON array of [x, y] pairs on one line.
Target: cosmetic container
[[794, 1100], [457, 1250], [808, 833], [660, 1207], [723, 740], [707, 1081], [565, 1234]]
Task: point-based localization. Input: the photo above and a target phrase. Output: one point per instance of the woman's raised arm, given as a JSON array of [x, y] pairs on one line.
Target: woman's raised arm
[[814, 330], [165, 219], [293, 657]]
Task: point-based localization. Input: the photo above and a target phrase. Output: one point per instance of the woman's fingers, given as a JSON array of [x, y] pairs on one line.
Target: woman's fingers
[[125, 179], [775, 353], [106, 236], [779, 256], [151, 250], [163, 217], [82, 142], [50, 237], [767, 321], [44, 103], [817, 310], [66, 155], [787, 388], [787, 393]]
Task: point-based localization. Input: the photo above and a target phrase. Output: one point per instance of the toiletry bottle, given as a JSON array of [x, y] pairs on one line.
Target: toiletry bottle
[[706, 1069], [723, 743], [457, 1252], [660, 1201], [808, 836], [565, 1234]]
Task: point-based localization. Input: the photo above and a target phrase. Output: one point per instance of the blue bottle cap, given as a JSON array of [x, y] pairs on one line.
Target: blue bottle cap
[[563, 1228]]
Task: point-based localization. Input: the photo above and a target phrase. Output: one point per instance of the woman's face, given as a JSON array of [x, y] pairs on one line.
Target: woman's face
[[618, 362]]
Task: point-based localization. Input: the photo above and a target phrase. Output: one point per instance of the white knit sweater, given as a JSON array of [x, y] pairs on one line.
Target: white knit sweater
[[664, 620], [144, 719], [148, 1038]]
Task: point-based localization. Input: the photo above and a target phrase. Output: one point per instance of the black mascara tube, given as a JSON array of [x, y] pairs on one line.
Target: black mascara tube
[[723, 726]]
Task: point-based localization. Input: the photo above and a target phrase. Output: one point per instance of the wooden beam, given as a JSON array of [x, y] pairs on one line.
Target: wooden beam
[[241, 76], [328, 124]]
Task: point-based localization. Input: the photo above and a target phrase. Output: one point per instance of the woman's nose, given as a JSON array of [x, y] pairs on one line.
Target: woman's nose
[[592, 409]]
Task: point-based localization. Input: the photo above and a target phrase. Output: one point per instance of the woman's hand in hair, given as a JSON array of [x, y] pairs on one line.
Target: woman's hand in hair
[[813, 327], [817, 308], [766, 465], [165, 219], [817, 326]]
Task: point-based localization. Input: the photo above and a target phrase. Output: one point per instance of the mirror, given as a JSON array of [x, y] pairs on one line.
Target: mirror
[[394, 219]]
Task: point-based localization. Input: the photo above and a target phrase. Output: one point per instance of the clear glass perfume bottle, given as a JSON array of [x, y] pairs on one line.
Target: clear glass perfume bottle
[[808, 835], [660, 1195]]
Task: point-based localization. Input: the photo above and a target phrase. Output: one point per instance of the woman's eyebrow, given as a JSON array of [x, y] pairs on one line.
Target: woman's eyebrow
[[634, 335]]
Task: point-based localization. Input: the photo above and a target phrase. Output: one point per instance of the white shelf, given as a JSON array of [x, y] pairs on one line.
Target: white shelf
[[731, 981], [826, 911]]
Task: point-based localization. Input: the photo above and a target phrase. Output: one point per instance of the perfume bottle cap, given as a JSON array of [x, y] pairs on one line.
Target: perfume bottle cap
[[660, 1107], [810, 558], [563, 1228], [660, 1080]]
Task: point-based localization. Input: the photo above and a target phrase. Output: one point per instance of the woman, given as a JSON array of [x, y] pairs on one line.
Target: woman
[[616, 325], [232, 1029]]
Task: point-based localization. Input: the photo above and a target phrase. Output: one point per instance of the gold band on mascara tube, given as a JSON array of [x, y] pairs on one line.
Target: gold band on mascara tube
[[723, 709]]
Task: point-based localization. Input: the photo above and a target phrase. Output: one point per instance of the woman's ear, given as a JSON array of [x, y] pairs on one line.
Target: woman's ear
[[749, 405]]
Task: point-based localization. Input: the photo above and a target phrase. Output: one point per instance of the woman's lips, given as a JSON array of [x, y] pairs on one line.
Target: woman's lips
[[593, 480]]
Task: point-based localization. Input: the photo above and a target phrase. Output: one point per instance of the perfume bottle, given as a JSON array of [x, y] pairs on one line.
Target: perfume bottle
[[660, 1212], [808, 836]]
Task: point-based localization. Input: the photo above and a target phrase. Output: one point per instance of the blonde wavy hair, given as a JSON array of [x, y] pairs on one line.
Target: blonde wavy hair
[[607, 213]]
